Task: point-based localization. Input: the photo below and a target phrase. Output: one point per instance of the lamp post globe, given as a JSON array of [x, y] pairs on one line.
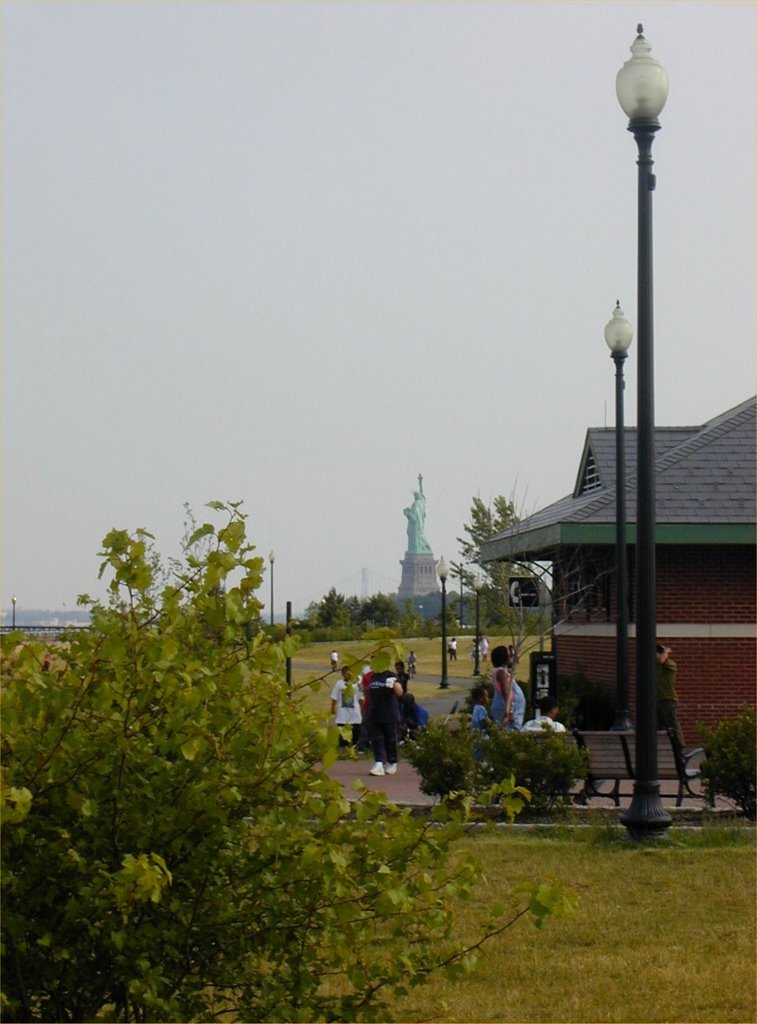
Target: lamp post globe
[[642, 83], [618, 335], [443, 571], [14, 599], [642, 89], [478, 585]]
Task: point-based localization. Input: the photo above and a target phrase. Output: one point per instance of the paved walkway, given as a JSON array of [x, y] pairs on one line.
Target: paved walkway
[[404, 788]]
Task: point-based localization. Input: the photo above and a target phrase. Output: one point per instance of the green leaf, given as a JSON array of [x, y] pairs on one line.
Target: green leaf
[[381, 661], [205, 530], [192, 747]]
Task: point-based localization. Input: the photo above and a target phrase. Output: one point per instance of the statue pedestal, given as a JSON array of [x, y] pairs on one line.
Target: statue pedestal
[[418, 576]]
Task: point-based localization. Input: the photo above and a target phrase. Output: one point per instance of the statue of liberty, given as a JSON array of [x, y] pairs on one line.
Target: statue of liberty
[[416, 523]]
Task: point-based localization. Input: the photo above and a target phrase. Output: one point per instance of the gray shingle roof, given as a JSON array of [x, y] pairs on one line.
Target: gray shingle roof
[[704, 475]]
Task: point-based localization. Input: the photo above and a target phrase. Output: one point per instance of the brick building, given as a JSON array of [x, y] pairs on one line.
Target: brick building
[[705, 561]]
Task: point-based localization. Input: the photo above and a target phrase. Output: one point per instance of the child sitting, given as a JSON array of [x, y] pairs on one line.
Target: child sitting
[[414, 717]]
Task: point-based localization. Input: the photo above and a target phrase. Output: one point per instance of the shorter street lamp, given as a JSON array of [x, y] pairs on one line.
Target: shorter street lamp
[[618, 335], [271, 559], [14, 599], [443, 574], [289, 660], [478, 585]]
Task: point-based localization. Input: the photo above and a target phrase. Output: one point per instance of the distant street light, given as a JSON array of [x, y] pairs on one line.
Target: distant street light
[[289, 660], [642, 89], [271, 559], [478, 585], [443, 574], [13, 599], [618, 335]]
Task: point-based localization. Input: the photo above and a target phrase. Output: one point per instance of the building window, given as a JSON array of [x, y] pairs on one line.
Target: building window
[[591, 480]]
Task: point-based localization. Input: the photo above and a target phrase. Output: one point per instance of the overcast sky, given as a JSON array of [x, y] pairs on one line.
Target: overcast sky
[[297, 253]]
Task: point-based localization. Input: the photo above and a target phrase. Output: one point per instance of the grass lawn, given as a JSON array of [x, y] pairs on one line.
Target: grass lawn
[[662, 933], [312, 662]]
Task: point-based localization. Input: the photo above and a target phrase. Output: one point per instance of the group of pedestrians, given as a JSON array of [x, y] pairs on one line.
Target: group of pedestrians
[[508, 708], [380, 711], [480, 646]]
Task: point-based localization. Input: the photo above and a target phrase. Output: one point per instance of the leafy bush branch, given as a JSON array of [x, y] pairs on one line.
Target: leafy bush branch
[[173, 848]]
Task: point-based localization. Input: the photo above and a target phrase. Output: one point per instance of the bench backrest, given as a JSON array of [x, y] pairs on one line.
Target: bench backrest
[[667, 763], [608, 756], [568, 739]]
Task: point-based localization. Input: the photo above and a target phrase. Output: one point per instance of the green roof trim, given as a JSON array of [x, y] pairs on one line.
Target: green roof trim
[[704, 492], [532, 542]]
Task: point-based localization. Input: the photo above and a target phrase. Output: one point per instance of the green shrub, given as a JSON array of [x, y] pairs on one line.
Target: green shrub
[[333, 634], [443, 757], [545, 765], [172, 847], [730, 768], [381, 634], [584, 703]]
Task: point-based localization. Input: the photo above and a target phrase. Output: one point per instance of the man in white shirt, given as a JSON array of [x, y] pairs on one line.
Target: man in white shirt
[[347, 705], [546, 719]]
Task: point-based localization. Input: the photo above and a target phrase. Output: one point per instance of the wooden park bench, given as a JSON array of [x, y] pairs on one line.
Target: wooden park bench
[[612, 757]]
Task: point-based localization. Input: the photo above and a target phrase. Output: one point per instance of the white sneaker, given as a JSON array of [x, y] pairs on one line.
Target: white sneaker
[[378, 769], [391, 769]]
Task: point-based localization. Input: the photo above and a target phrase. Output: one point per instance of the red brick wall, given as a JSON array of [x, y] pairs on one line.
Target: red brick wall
[[695, 585], [715, 677], [706, 584]]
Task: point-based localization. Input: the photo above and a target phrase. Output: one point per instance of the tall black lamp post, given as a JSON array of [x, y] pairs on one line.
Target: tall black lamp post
[[271, 559], [618, 335], [478, 584], [443, 574], [14, 599], [642, 89]]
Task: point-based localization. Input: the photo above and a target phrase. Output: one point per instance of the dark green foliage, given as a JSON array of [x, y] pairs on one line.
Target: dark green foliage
[[444, 759], [730, 768], [547, 766], [485, 522], [379, 610], [585, 704], [332, 612]]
